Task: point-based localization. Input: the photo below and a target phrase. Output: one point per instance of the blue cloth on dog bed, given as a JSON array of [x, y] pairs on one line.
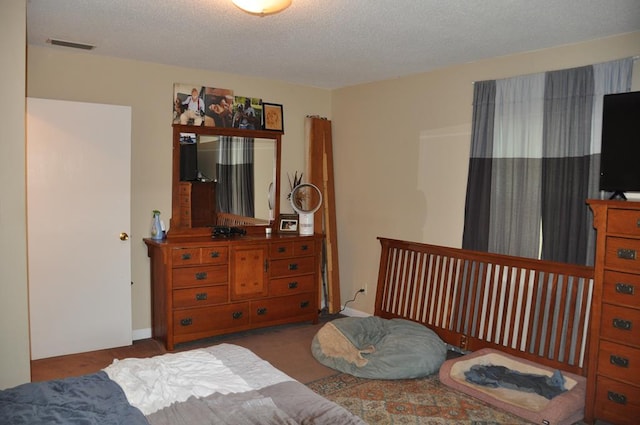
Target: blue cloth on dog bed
[[499, 376], [376, 348]]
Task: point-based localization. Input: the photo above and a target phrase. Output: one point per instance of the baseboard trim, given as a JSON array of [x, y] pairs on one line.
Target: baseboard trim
[[354, 313], [138, 334]]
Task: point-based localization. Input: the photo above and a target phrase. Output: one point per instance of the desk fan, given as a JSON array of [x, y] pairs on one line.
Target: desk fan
[[305, 200]]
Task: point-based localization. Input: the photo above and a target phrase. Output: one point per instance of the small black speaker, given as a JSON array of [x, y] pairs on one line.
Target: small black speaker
[[188, 162]]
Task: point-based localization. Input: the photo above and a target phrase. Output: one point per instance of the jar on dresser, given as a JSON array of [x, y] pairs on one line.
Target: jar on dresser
[[613, 385], [202, 287]]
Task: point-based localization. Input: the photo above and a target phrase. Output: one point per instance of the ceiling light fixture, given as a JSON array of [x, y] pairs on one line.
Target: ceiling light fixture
[[262, 7]]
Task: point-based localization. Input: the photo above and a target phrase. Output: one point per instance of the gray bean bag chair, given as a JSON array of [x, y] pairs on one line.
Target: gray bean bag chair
[[376, 348]]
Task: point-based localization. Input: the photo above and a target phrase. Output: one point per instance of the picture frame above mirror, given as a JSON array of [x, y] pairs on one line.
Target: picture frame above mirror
[[272, 117]]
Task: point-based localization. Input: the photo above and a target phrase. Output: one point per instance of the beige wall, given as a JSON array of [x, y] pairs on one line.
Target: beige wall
[[14, 315], [58, 73], [402, 149]]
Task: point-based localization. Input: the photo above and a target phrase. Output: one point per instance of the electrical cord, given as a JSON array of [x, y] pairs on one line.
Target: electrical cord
[[359, 291], [324, 310]]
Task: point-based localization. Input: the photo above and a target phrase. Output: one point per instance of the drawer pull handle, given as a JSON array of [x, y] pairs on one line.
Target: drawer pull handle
[[619, 361], [293, 266], [201, 275], [262, 311], [237, 315], [202, 296], [304, 247], [293, 285], [266, 266], [638, 223], [304, 304], [281, 249], [214, 254], [622, 324], [626, 254], [625, 288], [186, 322], [186, 256], [617, 398]]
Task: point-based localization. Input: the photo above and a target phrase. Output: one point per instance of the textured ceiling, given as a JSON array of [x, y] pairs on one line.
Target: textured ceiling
[[325, 43]]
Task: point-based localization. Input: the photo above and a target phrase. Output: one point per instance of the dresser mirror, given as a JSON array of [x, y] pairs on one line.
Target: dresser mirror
[[224, 176]]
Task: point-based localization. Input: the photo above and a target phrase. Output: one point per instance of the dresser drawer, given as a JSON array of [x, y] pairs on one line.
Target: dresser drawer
[[623, 254], [184, 189], [621, 288], [281, 249], [291, 285], [625, 222], [185, 216], [292, 266], [292, 248], [183, 257], [200, 296], [280, 308], [619, 361], [205, 319], [304, 247], [215, 255], [199, 276], [620, 324], [617, 402]]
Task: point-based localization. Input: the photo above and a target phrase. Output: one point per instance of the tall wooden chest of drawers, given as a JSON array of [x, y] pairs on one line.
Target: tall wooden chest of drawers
[[613, 387], [197, 202], [201, 287]]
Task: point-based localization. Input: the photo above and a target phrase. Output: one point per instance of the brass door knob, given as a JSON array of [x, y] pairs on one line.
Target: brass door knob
[[124, 236]]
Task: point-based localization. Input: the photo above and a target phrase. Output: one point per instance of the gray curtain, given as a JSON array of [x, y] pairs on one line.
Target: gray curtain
[[535, 161], [235, 176], [568, 105], [477, 205]]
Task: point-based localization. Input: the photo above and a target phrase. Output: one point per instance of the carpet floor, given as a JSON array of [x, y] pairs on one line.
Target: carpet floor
[[412, 401], [408, 401]]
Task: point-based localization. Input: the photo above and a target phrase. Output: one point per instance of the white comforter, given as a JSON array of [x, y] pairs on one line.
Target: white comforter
[[155, 383]]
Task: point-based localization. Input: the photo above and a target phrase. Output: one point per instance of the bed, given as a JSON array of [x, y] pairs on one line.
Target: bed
[[222, 384], [521, 309]]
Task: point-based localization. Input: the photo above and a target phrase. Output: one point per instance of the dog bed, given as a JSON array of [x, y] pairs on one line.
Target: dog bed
[[376, 348], [564, 409]]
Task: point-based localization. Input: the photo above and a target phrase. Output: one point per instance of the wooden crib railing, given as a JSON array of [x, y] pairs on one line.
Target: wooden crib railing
[[227, 219], [538, 310]]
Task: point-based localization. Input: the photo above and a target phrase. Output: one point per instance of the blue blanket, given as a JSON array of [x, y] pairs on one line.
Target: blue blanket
[[88, 399], [500, 376]]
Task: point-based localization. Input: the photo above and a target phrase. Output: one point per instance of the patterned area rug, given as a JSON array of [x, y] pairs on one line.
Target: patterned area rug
[[409, 401]]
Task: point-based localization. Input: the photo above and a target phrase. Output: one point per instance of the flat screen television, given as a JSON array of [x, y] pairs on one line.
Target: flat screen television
[[620, 152]]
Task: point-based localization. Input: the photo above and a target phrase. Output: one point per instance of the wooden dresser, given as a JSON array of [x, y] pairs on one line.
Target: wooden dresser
[[201, 287], [613, 388]]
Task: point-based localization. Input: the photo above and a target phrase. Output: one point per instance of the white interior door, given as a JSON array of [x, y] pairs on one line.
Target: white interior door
[[78, 204]]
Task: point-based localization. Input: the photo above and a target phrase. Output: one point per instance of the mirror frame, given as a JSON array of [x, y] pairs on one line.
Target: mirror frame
[[176, 227]]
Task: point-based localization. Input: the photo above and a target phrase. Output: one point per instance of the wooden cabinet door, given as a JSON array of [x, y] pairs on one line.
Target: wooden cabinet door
[[249, 265]]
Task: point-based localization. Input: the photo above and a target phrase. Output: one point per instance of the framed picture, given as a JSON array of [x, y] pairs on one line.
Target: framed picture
[[218, 107], [188, 104], [272, 118], [288, 223], [247, 113]]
